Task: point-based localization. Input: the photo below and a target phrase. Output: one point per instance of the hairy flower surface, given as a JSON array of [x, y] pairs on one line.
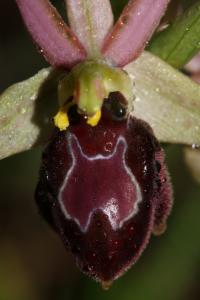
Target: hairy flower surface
[[105, 189]]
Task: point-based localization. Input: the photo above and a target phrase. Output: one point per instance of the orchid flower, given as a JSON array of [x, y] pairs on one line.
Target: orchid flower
[[110, 91]]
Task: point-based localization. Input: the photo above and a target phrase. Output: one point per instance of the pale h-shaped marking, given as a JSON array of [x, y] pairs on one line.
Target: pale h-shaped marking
[[92, 183]]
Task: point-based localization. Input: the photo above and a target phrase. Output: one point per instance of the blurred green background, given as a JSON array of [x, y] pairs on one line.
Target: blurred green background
[[33, 262]]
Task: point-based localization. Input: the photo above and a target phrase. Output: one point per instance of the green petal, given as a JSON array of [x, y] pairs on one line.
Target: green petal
[[165, 98], [25, 109]]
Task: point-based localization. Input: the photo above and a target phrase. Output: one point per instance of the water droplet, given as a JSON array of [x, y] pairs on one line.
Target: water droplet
[[23, 111], [137, 99], [195, 146], [157, 89], [90, 268], [105, 234], [108, 147], [145, 169], [177, 120], [124, 19], [164, 180], [41, 51], [116, 243], [32, 98]]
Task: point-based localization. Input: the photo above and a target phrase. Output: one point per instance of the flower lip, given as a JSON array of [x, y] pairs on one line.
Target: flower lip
[[105, 240]]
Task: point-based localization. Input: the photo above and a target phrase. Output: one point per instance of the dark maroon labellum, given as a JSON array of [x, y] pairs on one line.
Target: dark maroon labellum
[[105, 189]]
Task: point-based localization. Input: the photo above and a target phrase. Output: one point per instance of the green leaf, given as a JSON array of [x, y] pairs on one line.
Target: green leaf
[[165, 98], [181, 40], [25, 109]]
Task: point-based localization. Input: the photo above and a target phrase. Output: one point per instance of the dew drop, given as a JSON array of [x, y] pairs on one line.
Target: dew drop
[[116, 243], [108, 147], [33, 97], [41, 51], [124, 19], [157, 89], [90, 268], [145, 169], [195, 146], [105, 234], [23, 111]]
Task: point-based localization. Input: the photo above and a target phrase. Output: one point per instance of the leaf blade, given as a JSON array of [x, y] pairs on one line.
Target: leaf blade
[[181, 40]]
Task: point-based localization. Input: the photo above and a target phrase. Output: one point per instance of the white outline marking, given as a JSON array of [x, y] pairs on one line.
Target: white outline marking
[[107, 210]]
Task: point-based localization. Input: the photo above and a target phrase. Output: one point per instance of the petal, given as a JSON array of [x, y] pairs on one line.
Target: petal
[[133, 30], [91, 21], [58, 44], [166, 99], [25, 111]]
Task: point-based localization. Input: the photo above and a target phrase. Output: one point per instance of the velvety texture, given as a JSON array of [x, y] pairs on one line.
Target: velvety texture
[[105, 189]]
